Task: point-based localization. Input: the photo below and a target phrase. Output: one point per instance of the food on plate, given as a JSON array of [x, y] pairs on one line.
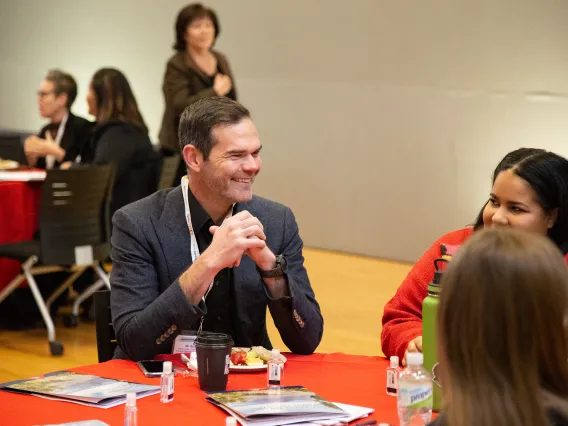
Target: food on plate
[[245, 356], [8, 164], [238, 357], [266, 354], [256, 356]]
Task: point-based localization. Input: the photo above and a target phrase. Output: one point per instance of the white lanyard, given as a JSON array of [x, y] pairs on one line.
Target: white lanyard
[[194, 248], [50, 159]]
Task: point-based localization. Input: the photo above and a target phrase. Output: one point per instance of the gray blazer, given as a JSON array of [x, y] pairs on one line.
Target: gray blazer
[[151, 249]]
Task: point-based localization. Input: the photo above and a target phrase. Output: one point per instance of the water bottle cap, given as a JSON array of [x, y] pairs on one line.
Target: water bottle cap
[[438, 273], [394, 361], [167, 367], [230, 421], [131, 399], [414, 358]]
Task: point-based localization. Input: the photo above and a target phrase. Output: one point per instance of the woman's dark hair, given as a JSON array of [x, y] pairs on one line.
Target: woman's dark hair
[[115, 99], [186, 16], [547, 174]]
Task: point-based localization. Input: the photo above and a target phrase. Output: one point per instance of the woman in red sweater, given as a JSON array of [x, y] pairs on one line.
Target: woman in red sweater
[[529, 192]]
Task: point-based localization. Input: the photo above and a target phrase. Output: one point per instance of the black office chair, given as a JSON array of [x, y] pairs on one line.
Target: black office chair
[[106, 338], [71, 234], [72, 320], [12, 148], [169, 171]]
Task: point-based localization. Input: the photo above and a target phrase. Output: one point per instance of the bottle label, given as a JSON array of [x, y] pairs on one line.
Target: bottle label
[[274, 372], [170, 387], [415, 396], [391, 379]]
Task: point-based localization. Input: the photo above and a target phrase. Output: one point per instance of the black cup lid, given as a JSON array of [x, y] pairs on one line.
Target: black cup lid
[[209, 338]]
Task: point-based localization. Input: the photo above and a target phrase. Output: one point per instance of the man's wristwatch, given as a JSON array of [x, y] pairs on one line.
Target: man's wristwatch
[[279, 270]]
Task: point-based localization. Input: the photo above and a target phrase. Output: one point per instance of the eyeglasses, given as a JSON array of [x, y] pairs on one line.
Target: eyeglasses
[[44, 94]]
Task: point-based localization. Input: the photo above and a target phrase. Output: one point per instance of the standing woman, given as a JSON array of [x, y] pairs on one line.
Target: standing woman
[[194, 72]]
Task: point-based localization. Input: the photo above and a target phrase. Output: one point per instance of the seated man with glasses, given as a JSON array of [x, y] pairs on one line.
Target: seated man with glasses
[[64, 136]]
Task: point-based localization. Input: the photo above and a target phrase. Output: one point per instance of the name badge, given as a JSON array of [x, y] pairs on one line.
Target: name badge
[[184, 344]]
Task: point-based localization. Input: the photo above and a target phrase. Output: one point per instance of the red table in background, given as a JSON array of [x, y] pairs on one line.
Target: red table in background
[[19, 210], [349, 379]]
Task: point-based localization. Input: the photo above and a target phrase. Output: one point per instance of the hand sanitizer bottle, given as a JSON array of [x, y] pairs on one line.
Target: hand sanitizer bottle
[[392, 376], [167, 383], [275, 369], [130, 410]]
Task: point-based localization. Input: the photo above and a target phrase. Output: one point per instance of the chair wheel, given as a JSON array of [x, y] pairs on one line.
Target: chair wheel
[[56, 348], [70, 321]]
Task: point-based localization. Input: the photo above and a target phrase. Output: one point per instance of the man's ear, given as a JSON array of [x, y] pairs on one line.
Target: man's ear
[[62, 99], [192, 157]]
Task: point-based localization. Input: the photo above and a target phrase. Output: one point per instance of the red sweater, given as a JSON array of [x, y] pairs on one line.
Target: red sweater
[[402, 317]]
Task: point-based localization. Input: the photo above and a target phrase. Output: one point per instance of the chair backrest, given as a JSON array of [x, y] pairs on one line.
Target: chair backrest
[[169, 170], [12, 148], [70, 213], [106, 339]]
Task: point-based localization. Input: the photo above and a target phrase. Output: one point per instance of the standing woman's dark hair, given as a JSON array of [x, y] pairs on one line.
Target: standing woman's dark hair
[[547, 175], [114, 99], [502, 337], [189, 14]]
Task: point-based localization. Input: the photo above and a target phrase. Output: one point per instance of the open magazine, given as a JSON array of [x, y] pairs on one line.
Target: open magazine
[[276, 406], [83, 389]]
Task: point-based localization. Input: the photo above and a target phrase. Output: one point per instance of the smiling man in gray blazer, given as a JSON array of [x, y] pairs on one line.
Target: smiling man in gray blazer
[[208, 254]]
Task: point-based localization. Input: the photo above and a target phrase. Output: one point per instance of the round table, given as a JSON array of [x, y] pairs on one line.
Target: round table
[[19, 210]]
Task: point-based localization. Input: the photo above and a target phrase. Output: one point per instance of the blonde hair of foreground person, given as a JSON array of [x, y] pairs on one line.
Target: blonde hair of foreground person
[[502, 336]]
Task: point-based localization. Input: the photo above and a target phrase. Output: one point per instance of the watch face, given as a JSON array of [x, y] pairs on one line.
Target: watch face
[[278, 270]]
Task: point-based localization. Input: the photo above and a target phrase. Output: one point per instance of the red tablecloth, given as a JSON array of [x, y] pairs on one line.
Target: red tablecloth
[[349, 379], [19, 209]]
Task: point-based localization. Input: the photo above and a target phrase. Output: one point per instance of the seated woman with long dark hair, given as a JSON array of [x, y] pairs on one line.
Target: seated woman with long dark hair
[[529, 192], [120, 137], [502, 332]]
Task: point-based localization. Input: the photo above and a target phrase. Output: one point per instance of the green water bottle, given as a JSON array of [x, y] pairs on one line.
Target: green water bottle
[[429, 313]]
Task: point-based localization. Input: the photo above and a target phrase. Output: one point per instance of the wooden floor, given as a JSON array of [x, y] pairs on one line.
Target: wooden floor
[[351, 291]]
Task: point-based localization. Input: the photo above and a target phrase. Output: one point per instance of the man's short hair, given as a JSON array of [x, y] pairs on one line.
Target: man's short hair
[[64, 83], [198, 120]]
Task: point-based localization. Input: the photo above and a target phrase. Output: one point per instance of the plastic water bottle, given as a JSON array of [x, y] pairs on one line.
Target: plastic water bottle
[[414, 392]]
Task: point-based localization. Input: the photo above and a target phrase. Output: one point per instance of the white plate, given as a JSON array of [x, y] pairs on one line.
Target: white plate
[[8, 165], [247, 368]]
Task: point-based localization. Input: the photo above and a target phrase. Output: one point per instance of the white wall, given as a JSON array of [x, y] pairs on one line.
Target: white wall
[[381, 120]]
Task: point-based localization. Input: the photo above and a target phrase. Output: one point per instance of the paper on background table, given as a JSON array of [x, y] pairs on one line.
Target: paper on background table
[[22, 176]]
